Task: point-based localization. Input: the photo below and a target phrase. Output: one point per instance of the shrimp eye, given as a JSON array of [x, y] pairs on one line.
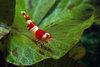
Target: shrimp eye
[[47, 34]]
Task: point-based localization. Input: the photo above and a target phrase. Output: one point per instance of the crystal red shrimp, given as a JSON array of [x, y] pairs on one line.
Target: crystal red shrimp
[[39, 34]]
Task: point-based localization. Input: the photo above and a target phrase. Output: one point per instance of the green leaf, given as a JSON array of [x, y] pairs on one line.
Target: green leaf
[[41, 10], [66, 38], [67, 28], [22, 50], [3, 31], [65, 22]]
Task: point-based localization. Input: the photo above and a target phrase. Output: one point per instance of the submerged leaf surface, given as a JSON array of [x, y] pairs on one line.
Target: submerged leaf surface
[[64, 20]]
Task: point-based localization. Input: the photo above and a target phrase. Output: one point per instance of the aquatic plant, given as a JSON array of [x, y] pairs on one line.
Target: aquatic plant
[[65, 20]]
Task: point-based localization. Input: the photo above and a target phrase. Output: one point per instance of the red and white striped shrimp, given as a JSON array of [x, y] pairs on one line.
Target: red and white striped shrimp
[[39, 34]]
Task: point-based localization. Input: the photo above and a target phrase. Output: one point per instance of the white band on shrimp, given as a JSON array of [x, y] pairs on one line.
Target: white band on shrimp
[[45, 35], [29, 21], [35, 28], [22, 11]]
